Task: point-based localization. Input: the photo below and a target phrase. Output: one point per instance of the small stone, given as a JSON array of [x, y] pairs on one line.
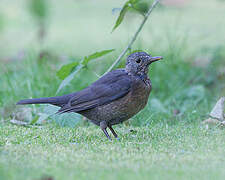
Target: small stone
[[218, 109]]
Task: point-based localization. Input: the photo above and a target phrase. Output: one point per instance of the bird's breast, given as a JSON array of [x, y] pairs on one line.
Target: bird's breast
[[139, 94], [123, 108]]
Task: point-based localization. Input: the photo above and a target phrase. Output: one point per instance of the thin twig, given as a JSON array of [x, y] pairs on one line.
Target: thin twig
[[134, 38]]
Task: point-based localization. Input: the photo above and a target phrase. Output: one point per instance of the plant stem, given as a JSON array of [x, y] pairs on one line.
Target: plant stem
[[134, 37]]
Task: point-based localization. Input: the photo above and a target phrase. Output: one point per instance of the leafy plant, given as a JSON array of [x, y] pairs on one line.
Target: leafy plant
[[132, 4], [68, 71], [124, 10], [140, 6]]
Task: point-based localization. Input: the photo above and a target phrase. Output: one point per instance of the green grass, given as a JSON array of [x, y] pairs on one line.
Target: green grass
[[162, 145], [157, 152]]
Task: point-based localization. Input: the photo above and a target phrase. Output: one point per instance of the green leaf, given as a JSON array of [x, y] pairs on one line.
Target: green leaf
[[34, 120], [96, 55], [69, 78], [66, 70], [46, 112], [124, 10], [141, 6], [67, 119]]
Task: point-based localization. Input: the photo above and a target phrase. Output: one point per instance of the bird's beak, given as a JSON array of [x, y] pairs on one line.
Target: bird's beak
[[156, 58]]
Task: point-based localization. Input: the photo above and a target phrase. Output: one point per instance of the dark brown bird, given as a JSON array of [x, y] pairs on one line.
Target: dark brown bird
[[113, 98]]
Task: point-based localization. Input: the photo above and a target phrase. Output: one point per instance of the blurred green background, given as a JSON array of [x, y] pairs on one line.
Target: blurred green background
[[36, 41]]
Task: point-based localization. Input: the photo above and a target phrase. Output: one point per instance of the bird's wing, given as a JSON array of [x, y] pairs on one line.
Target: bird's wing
[[110, 87]]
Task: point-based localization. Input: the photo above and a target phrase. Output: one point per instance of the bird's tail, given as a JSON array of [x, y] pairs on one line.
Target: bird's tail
[[58, 101]]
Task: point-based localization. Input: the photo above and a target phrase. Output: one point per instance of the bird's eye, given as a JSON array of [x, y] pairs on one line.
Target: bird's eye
[[138, 60]]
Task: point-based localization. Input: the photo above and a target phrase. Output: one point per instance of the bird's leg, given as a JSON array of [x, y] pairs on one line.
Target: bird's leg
[[103, 126], [113, 132]]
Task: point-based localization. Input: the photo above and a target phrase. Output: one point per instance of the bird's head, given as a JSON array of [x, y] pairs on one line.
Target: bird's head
[[138, 63]]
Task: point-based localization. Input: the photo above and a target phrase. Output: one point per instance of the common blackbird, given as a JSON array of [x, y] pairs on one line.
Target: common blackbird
[[112, 99]]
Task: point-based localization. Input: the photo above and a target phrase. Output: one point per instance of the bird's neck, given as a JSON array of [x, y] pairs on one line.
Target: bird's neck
[[141, 74], [143, 77]]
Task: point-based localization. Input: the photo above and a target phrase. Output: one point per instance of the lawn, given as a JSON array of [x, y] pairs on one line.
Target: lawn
[[167, 140], [180, 151]]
